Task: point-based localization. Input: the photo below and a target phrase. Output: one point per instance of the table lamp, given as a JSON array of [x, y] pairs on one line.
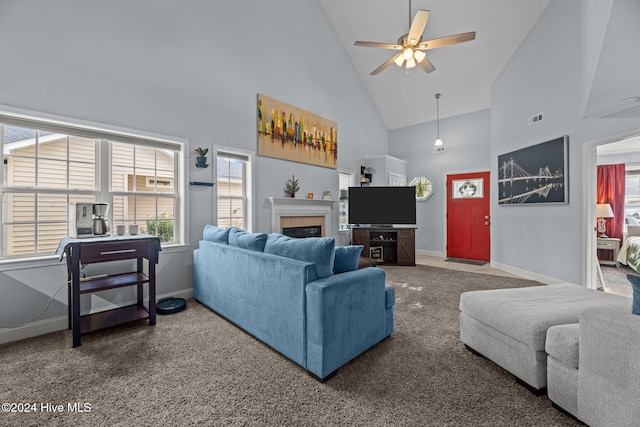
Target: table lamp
[[603, 211]]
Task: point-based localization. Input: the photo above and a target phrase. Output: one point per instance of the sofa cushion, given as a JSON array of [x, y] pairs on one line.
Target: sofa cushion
[[346, 258], [252, 241], [215, 234], [562, 344], [635, 284], [319, 251]]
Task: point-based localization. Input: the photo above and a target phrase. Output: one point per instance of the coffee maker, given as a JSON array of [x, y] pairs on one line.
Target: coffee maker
[[89, 219], [100, 221]]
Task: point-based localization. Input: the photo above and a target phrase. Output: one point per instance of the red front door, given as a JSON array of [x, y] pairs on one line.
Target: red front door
[[468, 216]]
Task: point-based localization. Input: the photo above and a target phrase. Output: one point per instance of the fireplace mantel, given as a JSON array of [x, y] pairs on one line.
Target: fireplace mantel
[[290, 206]]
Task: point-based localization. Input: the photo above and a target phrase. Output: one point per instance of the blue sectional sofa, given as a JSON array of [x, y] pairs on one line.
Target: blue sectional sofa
[[303, 297]]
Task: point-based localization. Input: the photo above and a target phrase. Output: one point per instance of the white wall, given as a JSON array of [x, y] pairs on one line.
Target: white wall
[[467, 149], [545, 75], [190, 69]]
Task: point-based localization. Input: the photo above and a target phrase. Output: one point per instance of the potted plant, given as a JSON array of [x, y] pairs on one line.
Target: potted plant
[[292, 187], [201, 160]]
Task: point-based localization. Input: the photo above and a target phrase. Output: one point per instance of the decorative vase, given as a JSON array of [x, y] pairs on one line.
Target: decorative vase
[[292, 195], [201, 162]]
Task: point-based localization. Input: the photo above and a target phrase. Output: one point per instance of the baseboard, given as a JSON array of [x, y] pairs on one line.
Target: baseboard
[[431, 253], [34, 329], [527, 274], [60, 323]]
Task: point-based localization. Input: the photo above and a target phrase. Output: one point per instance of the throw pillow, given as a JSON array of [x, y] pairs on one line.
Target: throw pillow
[[346, 258], [635, 284], [215, 234], [252, 241], [319, 251]]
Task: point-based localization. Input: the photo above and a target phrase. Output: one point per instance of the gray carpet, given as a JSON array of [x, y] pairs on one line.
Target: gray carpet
[[615, 279], [195, 368]]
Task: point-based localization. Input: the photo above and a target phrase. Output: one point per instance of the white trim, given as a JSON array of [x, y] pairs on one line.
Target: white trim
[[290, 206], [61, 323], [385, 156], [589, 188], [250, 170], [73, 123], [438, 254], [103, 183], [526, 274]]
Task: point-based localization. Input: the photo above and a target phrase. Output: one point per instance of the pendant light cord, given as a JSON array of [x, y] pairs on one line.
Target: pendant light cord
[[438, 112]]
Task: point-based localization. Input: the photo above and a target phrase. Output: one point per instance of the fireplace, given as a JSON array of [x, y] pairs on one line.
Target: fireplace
[[287, 212], [303, 232]]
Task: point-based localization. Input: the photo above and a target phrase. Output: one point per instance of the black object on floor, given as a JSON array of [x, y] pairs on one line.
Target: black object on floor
[[466, 261], [170, 305]]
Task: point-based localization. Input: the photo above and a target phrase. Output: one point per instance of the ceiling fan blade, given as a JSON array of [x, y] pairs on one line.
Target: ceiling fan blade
[[379, 45], [447, 40], [386, 64], [426, 65], [417, 26]]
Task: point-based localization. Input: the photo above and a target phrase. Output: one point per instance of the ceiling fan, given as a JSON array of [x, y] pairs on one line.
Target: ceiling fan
[[411, 46]]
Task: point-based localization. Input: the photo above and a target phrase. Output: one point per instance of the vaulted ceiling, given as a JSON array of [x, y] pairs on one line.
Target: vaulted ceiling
[[464, 72]]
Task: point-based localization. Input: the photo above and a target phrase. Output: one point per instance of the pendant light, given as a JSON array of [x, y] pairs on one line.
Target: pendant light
[[438, 142]]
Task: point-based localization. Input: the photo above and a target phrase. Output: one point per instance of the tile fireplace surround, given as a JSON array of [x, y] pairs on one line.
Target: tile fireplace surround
[[301, 210]]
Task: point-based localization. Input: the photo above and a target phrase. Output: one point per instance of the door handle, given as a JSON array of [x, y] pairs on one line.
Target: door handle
[[487, 223]]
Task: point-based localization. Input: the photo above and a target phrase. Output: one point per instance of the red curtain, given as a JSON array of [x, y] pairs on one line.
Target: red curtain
[[611, 183]]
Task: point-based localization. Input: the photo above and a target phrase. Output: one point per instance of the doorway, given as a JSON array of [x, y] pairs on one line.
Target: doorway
[[468, 216], [621, 150]]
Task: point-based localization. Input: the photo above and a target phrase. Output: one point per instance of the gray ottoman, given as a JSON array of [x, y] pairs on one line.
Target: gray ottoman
[[509, 326]]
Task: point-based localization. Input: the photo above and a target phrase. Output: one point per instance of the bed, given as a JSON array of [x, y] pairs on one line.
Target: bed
[[629, 253]]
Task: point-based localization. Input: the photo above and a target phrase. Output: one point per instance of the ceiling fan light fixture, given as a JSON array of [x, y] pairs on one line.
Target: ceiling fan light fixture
[[399, 60], [407, 53], [411, 63], [419, 56]]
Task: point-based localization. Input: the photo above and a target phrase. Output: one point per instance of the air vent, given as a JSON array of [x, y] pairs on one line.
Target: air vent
[[535, 119], [438, 149]]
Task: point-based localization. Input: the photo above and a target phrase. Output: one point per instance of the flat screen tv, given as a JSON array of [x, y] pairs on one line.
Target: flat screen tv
[[382, 205]]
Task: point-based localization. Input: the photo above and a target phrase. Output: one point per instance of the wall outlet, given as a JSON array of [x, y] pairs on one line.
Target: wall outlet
[[512, 253], [438, 149], [535, 119]]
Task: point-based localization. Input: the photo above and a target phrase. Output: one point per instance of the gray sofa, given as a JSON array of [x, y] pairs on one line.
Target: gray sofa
[[581, 346]]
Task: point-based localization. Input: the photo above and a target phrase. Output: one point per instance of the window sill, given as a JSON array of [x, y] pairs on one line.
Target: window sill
[[54, 260]]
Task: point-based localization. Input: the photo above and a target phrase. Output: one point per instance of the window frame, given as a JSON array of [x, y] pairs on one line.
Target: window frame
[[102, 191], [248, 184]]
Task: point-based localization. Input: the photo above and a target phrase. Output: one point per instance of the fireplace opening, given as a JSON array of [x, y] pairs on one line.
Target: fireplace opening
[[301, 232]]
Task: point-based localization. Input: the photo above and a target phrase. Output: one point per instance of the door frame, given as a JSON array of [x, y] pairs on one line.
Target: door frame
[[589, 185], [444, 203]]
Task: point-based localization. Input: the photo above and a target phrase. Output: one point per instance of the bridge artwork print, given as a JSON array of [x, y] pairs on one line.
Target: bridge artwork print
[[536, 174]]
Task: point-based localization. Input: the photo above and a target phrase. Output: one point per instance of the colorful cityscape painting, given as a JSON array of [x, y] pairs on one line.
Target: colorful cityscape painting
[[289, 133]]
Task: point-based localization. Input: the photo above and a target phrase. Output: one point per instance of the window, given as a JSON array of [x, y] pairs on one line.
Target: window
[[346, 181], [46, 167], [232, 185], [632, 196]]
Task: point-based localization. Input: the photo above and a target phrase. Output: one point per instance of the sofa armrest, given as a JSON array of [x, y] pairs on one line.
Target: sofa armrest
[[345, 316], [609, 367]]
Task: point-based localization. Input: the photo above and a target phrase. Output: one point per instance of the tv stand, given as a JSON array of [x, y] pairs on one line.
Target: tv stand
[[396, 244]]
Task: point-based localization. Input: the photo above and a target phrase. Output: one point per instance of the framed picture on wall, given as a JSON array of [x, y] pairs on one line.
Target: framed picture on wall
[[535, 175]]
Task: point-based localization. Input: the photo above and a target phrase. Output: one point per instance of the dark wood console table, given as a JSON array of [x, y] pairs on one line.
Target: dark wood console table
[[398, 244], [88, 251]]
